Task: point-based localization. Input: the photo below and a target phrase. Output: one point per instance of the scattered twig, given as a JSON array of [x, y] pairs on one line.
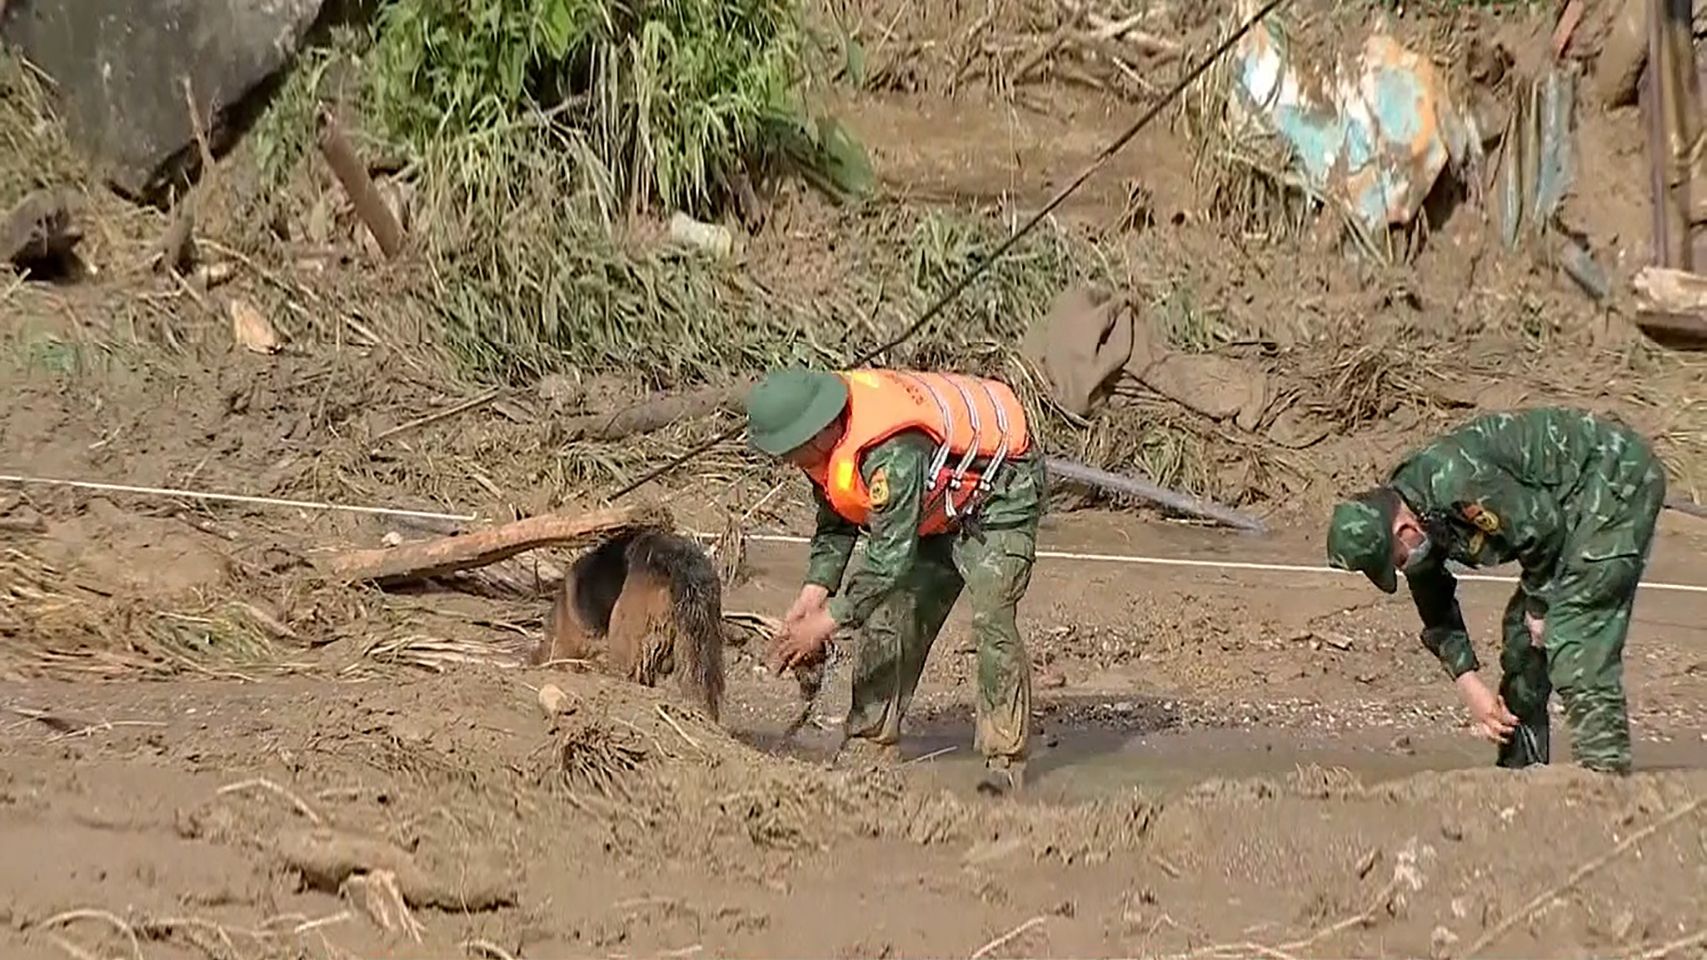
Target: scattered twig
[[70, 916], [444, 414], [51, 720], [261, 783], [1006, 938], [933, 754], [1667, 949], [310, 925], [1579, 873], [103, 726], [487, 949], [678, 728]]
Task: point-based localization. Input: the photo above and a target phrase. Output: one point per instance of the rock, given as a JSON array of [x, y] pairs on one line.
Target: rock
[[250, 329], [1441, 941], [119, 66], [39, 227], [552, 700]]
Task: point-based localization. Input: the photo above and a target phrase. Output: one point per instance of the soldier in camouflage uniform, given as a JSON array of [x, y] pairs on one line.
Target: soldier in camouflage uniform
[[900, 596], [1573, 498]]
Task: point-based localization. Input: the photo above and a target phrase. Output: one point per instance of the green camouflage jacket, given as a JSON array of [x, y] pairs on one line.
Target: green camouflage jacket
[[1510, 486]]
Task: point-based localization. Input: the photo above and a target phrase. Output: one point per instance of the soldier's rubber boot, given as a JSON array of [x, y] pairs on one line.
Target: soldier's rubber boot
[[1525, 690]]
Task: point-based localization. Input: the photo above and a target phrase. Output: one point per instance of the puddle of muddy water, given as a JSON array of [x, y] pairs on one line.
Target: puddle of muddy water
[[1078, 764]]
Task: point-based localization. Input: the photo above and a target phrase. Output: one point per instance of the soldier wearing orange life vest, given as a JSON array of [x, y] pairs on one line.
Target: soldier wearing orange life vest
[[941, 472]]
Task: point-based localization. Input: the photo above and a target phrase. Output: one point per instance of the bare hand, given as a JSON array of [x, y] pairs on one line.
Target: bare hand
[[803, 641], [1489, 717], [1537, 629], [811, 600]]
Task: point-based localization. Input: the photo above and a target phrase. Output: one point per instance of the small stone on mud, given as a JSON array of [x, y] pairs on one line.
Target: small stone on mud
[[1442, 939], [552, 700], [1402, 744]]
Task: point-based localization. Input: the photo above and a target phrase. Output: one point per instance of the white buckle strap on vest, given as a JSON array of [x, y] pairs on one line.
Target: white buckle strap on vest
[[971, 453], [987, 478], [939, 460]]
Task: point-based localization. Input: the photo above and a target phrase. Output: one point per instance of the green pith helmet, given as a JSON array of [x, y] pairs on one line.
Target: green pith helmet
[[1360, 537], [789, 406]]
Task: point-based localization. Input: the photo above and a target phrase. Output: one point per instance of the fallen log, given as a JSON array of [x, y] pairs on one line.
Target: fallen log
[[479, 548], [654, 414]]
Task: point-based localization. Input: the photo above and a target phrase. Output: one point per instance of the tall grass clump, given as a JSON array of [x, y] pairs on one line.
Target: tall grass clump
[[662, 102], [33, 150]]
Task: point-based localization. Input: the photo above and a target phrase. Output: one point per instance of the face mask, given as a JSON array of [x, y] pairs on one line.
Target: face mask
[[1417, 555]]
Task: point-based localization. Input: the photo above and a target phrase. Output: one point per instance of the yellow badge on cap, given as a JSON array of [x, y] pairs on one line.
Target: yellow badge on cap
[[880, 487], [1485, 520]]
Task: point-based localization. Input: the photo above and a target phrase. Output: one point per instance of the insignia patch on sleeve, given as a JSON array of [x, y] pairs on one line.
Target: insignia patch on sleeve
[[1485, 520], [880, 487]]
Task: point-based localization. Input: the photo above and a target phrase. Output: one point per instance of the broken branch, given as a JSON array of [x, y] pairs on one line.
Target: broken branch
[[358, 186], [431, 558]]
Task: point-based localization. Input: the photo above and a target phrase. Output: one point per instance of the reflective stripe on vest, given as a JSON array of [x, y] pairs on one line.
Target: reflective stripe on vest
[[969, 418]]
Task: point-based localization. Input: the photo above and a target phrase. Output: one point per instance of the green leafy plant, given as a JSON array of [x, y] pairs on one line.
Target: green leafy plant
[[672, 98]]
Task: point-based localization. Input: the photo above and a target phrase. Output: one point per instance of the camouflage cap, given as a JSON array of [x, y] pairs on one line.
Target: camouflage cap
[[1360, 537], [791, 405]]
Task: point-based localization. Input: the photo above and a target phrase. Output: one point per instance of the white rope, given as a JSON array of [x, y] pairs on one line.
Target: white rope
[[233, 497], [1223, 564], [768, 537]]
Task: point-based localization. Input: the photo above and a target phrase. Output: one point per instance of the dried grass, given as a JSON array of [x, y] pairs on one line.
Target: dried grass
[[1246, 172], [52, 625], [596, 754]]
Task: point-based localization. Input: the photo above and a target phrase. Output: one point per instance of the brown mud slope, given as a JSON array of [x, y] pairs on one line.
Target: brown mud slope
[[207, 751]]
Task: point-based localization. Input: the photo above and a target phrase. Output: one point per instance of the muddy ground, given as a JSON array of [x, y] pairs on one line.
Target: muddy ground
[[203, 741]]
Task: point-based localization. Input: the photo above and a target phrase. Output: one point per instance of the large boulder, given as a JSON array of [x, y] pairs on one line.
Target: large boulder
[[120, 66]]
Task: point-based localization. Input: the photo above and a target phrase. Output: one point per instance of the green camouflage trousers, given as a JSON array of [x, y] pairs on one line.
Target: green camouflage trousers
[[993, 567], [1588, 616]]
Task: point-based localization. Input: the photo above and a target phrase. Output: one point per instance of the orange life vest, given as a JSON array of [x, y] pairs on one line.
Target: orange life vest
[[970, 418]]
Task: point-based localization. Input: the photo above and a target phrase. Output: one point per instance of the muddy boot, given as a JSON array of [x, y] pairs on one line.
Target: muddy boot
[[1529, 745], [1002, 777], [861, 752]]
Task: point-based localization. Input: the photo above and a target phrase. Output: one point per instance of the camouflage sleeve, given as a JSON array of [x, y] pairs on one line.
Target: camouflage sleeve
[[1526, 518], [1435, 592], [895, 472], [832, 544]]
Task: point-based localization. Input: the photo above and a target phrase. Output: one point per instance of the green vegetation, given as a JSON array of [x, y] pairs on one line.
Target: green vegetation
[[667, 101], [684, 318]]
